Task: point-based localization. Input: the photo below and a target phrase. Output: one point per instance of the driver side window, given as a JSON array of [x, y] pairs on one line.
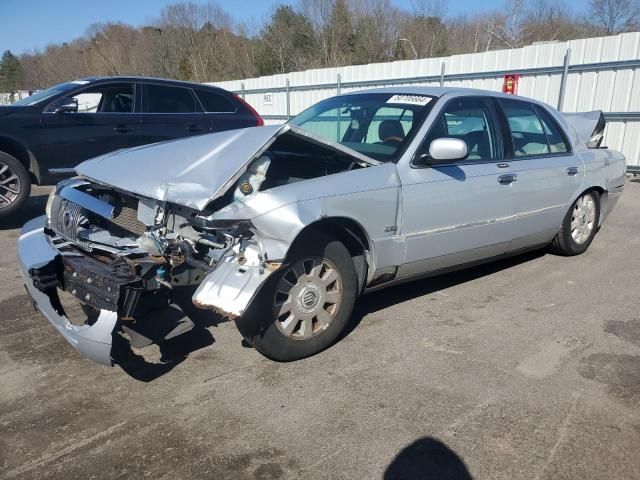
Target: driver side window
[[470, 120], [111, 98]]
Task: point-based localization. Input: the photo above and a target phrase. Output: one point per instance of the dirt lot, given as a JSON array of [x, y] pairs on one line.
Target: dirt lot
[[527, 368]]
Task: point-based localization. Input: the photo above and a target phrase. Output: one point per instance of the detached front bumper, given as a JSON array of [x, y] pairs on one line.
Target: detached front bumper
[[36, 251]]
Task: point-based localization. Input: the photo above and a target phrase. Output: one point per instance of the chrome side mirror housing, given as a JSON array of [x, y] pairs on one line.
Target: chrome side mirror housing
[[444, 150]]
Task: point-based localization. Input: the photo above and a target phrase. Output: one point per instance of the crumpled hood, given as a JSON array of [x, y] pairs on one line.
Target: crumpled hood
[[189, 172]]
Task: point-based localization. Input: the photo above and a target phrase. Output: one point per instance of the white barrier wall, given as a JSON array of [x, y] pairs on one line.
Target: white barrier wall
[[602, 75]]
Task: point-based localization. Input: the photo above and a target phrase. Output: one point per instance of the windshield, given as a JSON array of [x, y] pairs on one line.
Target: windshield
[[49, 92], [378, 125]]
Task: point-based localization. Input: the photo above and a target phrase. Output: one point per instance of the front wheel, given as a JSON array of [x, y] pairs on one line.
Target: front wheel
[[305, 306], [15, 185], [579, 225]]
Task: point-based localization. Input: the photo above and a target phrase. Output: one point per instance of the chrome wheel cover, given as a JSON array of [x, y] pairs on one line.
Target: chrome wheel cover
[[9, 186], [583, 219], [307, 298]]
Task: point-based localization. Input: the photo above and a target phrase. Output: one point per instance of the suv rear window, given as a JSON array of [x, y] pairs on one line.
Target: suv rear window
[[163, 99], [214, 102]]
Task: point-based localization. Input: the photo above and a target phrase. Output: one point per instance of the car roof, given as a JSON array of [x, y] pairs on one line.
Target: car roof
[[440, 91], [166, 81]]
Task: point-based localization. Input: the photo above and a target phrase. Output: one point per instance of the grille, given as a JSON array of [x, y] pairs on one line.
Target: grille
[[65, 218]]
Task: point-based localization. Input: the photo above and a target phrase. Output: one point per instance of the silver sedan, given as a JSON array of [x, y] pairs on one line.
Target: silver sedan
[[282, 228]]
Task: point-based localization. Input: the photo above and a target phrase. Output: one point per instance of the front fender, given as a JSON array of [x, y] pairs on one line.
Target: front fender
[[232, 285]]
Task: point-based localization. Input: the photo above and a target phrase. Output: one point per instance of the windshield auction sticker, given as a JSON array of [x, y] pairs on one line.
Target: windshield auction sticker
[[421, 100]]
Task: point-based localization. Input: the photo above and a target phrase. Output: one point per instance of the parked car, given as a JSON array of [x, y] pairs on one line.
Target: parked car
[[282, 228], [44, 136]]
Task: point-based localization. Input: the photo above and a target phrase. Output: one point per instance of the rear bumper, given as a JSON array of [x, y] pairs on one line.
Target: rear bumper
[[35, 250], [613, 195]]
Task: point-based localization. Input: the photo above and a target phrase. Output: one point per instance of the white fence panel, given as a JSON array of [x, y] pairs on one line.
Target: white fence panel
[[602, 74]]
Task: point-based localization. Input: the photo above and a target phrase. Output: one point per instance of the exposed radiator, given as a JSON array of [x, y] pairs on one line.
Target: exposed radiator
[[127, 219]]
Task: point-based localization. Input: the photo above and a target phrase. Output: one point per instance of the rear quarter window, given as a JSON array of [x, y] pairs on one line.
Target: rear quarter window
[[213, 102]]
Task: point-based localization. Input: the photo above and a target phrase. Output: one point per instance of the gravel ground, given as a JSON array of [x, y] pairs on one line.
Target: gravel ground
[[523, 369]]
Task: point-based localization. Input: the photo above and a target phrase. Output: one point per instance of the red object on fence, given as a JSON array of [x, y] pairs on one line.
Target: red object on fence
[[510, 84]]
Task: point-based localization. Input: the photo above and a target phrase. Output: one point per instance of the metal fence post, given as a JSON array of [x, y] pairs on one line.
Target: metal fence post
[[442, 70], [563, 80], [339, 84], [242, 90], [288, 101]]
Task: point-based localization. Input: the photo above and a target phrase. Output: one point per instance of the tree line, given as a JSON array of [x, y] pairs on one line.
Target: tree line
[[201, 42]]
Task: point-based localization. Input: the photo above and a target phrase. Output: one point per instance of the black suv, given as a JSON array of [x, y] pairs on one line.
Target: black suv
[[44, 136]]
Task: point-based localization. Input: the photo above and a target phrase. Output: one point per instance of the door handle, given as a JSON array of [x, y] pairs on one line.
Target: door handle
[[503, 165], [122, 129], [572, 171], [193, 128], [507, 179]]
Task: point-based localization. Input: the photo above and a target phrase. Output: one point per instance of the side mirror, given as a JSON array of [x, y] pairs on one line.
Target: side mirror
[[443, 150], [66, 105]]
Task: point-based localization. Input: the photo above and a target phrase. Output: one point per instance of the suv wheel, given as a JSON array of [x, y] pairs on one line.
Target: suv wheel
[[305, 306], [15, 184]]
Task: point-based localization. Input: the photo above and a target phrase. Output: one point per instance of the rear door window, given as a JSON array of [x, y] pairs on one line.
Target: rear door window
[[167, 99], [527, 131], [215, 102]]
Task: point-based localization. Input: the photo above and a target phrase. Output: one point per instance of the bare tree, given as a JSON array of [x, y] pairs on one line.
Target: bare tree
[[615, 16], [201, 42]]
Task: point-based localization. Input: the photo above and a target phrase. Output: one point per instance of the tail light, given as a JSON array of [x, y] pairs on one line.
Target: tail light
[[259, 120]]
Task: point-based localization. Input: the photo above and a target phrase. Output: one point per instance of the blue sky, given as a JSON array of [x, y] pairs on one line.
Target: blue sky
[[28, 24]]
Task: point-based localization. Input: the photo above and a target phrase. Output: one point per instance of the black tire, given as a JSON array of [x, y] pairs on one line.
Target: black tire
[[564, 242], [11, 167], [258, 324]]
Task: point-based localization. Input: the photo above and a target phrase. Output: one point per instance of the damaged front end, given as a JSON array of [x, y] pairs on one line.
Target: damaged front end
[[128, 249], [136, 249], [123, 257]]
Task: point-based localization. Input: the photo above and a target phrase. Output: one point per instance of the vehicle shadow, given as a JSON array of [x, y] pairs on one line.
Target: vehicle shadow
[[176, 350], [34, 207], [418, 288], [425, 459], [155, 326]]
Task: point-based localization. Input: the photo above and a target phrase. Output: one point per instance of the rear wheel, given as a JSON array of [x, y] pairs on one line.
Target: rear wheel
[[304, 307], [15, 184], [579, 226]]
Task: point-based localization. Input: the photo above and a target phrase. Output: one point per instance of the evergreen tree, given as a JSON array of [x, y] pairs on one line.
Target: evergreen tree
[[287, 42], [341, 35], [9, 73]]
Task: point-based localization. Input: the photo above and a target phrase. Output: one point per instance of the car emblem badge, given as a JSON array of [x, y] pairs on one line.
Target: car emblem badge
[[246, 188], [309, 299], [66, 220]]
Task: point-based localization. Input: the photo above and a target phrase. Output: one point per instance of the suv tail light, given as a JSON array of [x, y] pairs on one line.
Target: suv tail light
[[259, 120]]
